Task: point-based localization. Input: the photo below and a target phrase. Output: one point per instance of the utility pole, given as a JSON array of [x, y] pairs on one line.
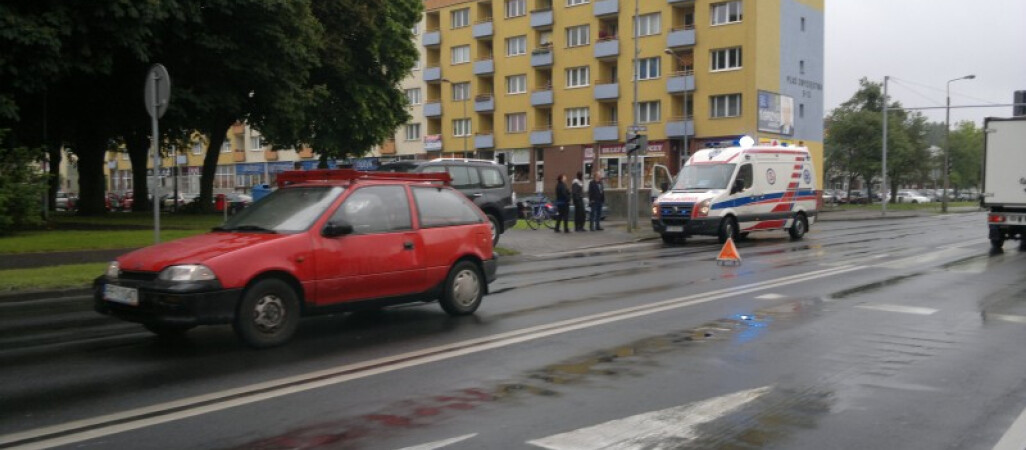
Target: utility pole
[[947, 142], [883, 184], [632, 158]]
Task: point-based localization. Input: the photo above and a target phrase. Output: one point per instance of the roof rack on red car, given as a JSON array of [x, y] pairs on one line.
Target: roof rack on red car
[[305, 176]]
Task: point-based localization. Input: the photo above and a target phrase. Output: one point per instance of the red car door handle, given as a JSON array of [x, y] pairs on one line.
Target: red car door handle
[[407, 245]]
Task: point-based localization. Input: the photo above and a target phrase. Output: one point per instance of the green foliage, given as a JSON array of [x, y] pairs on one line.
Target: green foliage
[[53, 277], [966, 157], [21, 188]]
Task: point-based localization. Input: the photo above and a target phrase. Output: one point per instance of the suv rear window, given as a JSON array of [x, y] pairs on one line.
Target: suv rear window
[[491, 178], [463, 177], [444, 207]]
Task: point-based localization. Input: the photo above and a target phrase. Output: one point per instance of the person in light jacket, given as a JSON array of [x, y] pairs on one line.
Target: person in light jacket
[[597, 197], [562, 203], [577, 194]]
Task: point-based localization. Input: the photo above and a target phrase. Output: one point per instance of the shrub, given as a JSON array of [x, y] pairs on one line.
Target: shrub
[[22, 185]]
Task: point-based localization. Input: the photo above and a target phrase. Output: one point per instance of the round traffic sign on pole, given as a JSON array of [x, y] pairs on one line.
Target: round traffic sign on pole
[[158, 90]]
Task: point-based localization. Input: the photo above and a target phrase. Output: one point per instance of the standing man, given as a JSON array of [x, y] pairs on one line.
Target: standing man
[[562, 203], [597, 197], [577, 193]]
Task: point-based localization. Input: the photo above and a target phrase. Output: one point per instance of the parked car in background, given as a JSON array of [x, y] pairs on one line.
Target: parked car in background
[[858, 198], [168, 201], [65, 201], [911, 196], [351, 241], [237, 201], [127, 201]]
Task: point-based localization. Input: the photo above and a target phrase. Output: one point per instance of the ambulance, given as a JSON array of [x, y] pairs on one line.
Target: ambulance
[[731, 192]]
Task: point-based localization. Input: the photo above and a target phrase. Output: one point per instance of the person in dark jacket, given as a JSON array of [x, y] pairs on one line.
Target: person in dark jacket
[[562, 203], [597, 197], [577, 194]]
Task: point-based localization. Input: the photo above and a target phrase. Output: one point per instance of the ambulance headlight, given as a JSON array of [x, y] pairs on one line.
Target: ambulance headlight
[[190, 272], [655, 209], [702, 208]]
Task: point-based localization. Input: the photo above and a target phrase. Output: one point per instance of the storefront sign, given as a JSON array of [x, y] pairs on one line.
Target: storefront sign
[[249, 169], [776, 113], [432, 142], [655, 148], [278, 167]]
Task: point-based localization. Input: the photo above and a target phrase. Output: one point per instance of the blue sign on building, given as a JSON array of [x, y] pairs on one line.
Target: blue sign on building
[[366, 164], [249, 169]]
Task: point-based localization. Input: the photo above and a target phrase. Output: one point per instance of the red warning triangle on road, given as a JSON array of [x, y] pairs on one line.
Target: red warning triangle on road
[[729, 255]]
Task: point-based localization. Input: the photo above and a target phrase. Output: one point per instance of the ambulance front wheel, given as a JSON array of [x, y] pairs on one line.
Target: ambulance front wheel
[[673, 238], [728, 229], [799, 227]]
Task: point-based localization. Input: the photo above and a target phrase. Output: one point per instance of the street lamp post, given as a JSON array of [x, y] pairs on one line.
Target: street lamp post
[[684, 138], [466, 133], [947, 142]]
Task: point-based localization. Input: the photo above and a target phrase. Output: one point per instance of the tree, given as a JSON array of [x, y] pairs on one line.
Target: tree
[[20, 188], [966, 155], [368, 49]]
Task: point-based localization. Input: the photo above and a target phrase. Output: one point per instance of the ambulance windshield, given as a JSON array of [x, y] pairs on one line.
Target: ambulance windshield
[[704, 176]]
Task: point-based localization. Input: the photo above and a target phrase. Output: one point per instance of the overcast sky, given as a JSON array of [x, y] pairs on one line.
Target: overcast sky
[[921, 44]]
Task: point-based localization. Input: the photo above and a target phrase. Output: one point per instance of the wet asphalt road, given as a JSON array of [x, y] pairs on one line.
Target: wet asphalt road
[[873, 334]]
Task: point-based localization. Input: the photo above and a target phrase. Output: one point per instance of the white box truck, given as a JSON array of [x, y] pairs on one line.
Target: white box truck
[[1004, 179], [730, 192]]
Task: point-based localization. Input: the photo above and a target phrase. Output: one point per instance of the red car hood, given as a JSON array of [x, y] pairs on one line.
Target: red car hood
[[191, 250]]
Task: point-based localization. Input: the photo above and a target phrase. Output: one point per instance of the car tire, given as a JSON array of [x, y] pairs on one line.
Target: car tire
[[799, 227], [496, 228], [165, 330], [728, 229], [463, 289], [268, 314]]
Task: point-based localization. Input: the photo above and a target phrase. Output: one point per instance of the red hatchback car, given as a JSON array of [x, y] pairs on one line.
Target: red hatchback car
[[325, 241]]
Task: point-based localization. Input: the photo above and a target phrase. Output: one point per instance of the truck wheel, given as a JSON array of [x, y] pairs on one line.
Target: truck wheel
[[799, 227], [268, 314], [463, 290], [997, 242], [728, 229]]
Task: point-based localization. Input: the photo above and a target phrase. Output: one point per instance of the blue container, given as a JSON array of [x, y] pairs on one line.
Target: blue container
[[260, 191]]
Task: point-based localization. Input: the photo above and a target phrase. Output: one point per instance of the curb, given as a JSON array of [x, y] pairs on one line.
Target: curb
[[28, 296]]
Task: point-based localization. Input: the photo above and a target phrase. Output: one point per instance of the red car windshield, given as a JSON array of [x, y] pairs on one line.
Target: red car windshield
[[288, 210]]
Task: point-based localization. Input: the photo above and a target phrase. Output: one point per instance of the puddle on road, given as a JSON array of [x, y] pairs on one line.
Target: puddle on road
[[765, 420]]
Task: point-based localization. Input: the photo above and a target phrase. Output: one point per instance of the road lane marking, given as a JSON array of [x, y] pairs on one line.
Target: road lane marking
[[651, 429], [1006, 317], [1015, 437], [920, 260], [84, 429], [440, 444], [770, 297], [898, 308]]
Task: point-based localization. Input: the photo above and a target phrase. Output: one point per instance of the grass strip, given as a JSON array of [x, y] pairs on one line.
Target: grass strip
[[72, 240], [54, 277]]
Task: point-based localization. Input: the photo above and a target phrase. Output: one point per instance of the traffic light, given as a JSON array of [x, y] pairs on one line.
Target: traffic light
[[636, 143]]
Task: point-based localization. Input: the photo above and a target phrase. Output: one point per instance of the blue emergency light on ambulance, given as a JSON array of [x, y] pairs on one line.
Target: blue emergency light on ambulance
[[731, 192]]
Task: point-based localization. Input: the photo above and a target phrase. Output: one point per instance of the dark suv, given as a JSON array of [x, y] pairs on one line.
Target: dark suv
[[483, 181]]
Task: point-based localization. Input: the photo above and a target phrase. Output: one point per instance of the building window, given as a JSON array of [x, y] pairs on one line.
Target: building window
[[461, 54], [516, 8], [412, 131], [226, 147], [516, 122], [725, 105], [578, 76], [224, 177], [728, 12], [461, 127], [648, 112], [803, 24], [461, 91], [801, 67], [801, 110], [578, 35], [648, 24], [726, 59], [516, 84], [577, 117], [197, 148], [576, 2], [461, 18], [413, 96], [516, 45], [255, 143], [648, 68], [415, 30]]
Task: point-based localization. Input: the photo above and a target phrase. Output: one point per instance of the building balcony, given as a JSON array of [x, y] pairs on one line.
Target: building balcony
[[433, 109], [432, 74], [432, 38], [541, 19], [484, 67], [680, 82], [483, 29], [607, 91], [605, 8], [541, 57], [484, 103], [607, 132], [239, 156], [541, 137], [679, 126], [484, 140], [306, 152], [270, 155], [682, 37], [608, 48], [541, 98]]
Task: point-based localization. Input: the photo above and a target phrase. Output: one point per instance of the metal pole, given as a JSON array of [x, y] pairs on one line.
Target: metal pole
[[883, 184], [155, 145], [632, 160], [469, 124], [947, 147]]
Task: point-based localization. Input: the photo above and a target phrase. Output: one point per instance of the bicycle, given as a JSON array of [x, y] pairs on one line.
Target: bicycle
[[543, 213]]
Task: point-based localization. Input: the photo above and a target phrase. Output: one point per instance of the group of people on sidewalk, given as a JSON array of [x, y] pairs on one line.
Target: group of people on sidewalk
[[575, 193]]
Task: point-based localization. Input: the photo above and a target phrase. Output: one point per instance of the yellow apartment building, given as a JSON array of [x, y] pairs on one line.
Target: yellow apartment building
[[546, 85]]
